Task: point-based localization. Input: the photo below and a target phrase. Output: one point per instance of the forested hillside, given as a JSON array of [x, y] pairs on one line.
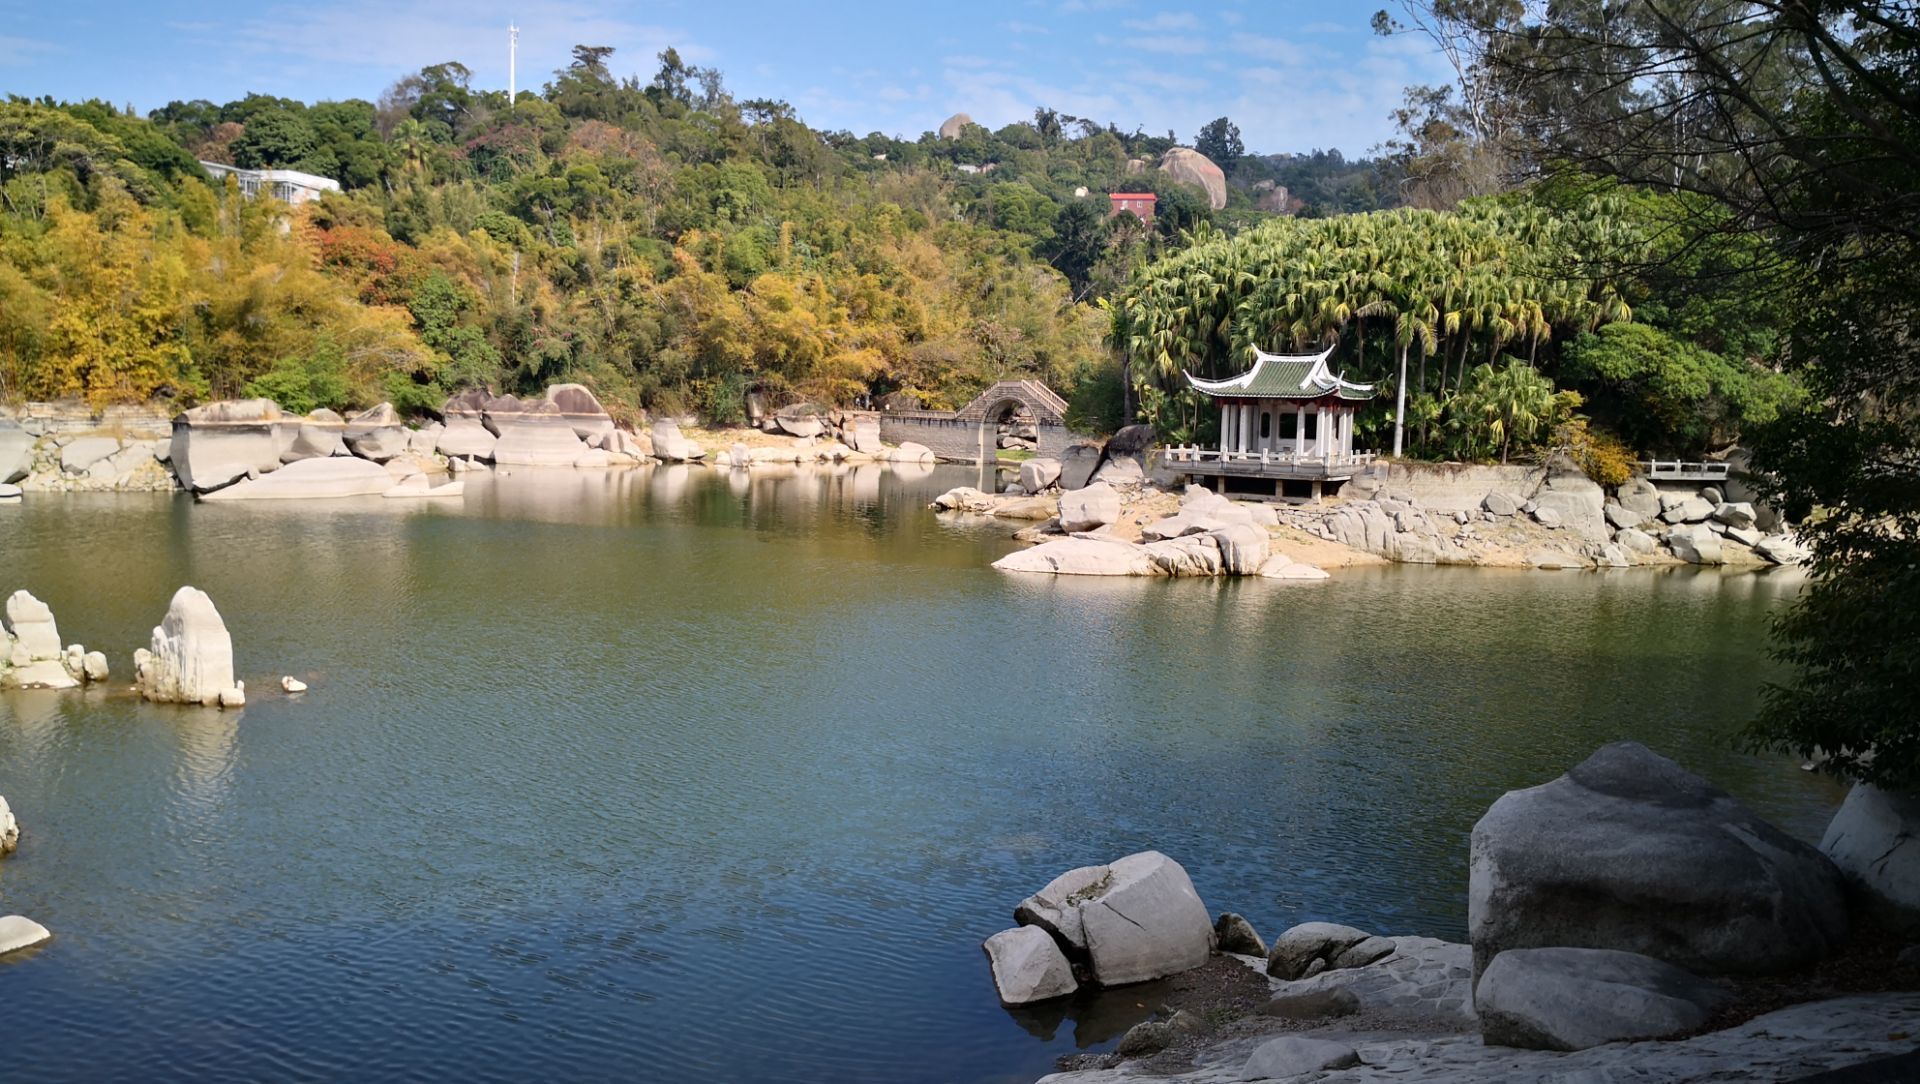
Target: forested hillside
[[661, 241]]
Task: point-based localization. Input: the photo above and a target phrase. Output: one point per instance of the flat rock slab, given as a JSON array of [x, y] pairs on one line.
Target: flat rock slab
[[1028, 966], [1572, 998], [1784, 1045], [1292, 1055], [311, 479]]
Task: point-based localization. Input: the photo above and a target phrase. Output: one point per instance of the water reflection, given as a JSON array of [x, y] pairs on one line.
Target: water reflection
[[594, 759]]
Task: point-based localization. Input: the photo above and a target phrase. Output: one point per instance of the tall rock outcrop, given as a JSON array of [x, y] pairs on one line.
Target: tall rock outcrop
[[1189, 166], [30, 653], [191, 660], [954, 125], [216, 443]]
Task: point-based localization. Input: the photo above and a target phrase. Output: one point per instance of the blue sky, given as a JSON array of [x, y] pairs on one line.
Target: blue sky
[[1294, 74]]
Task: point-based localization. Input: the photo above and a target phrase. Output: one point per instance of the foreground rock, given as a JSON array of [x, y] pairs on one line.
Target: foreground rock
[[311, 479], [1629, 851], [378, 433], [1311, 948], [670, 447], [1134, 920], [1575, 998], [1089, 507], [1232, 933], [191, 657], [9, 829], [1875, 840], [1028, 966], [19, 932]]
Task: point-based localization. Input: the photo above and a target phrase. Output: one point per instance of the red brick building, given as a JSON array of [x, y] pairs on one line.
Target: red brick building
[[1140, 203]]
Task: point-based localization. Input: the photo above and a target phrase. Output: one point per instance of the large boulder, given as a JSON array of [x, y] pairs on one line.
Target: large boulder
[[1037, 474], [16, 452], [669, 446], [215, 443], [1875, 840], [1688, 510], [1696, 545], [377, 433], [1630, 851], [1781, 549], [580, 409], [1028, 966], [1122, 471], [1080, 557], [540, 436], [83, 452], [863, 435], [466, 435], [1639, 495], [1312, 947], [954, 125], [1134, 920], [1736, 514], [318, 435], [1243, 548], [1624, 518], [1189, 166], [191, 658], [310, 479], [1575, 998], [1077, 465], [500, 411], [1089, 507], [800, 424], [1501, 504], [1571, 500]]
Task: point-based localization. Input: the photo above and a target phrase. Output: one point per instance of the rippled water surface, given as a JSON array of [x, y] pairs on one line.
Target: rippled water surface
[[668, 775]]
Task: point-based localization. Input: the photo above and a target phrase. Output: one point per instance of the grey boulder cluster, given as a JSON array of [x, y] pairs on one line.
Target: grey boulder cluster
[[1602, 905], [1130, 921], [31, 656], [1700, 527], [127, 451], [1209, 536]]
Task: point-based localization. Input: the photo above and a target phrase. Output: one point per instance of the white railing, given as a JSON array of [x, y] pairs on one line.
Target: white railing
[[1193, 453], [1681, 470]]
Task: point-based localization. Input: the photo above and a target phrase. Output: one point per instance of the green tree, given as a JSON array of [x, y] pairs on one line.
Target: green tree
[[1220, 141]]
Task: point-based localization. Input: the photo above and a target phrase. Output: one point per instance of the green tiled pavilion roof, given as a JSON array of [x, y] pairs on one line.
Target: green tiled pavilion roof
[[1285, 376]]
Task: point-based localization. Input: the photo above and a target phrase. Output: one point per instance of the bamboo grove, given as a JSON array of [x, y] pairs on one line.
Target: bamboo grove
[[1473, 313]]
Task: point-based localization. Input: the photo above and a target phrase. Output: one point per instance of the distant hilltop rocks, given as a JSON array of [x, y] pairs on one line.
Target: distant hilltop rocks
[[954, 125]]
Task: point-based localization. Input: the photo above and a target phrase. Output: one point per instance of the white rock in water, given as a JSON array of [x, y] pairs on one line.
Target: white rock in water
[[1080, 557], [910, 452], [235, 697], [311, 479], [19, 932], [94, 664], [217, 442], [29, 621], [9, 829], [1028, 966], [191, 661], [293, 684], [1137, 919]]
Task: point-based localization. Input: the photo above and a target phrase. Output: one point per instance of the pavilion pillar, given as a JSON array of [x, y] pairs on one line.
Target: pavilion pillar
[[1248, 432], [1226, 416], [1300, 433]]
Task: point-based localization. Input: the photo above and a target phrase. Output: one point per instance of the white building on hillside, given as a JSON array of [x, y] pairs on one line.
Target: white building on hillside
[[286, 185]]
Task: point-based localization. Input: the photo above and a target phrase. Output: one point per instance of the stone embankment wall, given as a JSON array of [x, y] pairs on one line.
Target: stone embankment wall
[[65, 446], [1454, 487], [951, 437]]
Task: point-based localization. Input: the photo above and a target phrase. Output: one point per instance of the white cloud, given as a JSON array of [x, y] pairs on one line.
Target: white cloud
[[1166, 20], [17, 50]]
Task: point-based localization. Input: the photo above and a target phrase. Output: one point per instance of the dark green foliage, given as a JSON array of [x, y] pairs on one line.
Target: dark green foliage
[[315, 379]]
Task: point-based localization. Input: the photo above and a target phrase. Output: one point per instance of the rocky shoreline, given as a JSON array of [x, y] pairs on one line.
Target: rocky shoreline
[[1627, 921]]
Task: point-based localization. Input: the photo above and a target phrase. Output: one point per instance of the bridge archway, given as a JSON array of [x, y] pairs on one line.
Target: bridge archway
[[1011, 398]]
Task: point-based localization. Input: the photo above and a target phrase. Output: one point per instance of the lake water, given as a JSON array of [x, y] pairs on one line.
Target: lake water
[[670, 775]]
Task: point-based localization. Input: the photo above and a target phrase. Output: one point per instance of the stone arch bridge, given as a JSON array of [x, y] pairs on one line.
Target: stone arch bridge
[[970, 433]]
